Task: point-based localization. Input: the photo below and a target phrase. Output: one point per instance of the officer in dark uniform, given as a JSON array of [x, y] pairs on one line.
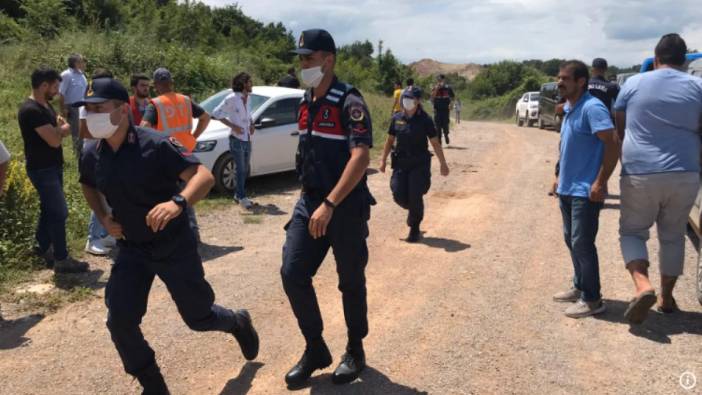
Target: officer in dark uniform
[[289, 80], [411, 160], [138, 171], [599, 87], [333, 210], [441, 97]]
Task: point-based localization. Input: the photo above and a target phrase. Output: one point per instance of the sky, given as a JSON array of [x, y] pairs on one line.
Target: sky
[[466, 31]]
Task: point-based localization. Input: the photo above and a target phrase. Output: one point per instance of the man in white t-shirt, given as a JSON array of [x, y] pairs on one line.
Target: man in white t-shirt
[[234, 112]]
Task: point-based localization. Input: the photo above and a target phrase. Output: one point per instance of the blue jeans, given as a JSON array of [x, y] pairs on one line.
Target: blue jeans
[[95, 229], [51, 229], [241, 153], [580, 224]]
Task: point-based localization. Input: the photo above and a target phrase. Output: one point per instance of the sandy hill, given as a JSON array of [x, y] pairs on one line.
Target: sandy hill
[[427, 67]]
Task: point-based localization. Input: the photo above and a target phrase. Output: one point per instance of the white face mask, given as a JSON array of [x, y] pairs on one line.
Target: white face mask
[[99, 124], [312, 77], [408, 104]]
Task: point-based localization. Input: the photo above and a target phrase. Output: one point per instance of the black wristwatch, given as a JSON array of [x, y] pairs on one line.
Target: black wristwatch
[[180, 200], [329, 204]]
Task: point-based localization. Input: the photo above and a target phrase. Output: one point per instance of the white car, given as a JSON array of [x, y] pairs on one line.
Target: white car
[[527, 109], [273, 146]]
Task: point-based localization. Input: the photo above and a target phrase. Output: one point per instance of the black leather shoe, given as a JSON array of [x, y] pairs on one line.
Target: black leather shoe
[[414, 235], [152, 381], [245, 334], [315, 357], [447, 140], [352, 363]]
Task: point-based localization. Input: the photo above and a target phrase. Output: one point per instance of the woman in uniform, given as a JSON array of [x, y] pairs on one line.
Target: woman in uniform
[[411, 161]]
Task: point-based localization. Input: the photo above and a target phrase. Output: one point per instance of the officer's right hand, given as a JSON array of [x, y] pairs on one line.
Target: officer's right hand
[[382, 167], [112, 227]]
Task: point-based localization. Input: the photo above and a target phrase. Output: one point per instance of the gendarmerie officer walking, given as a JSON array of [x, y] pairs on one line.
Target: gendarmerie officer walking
[[138, 171], [333, 210], [411, 160], [441, 97], [599, 87]]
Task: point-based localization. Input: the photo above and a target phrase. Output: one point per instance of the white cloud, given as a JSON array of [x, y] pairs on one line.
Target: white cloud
[[461, 31]]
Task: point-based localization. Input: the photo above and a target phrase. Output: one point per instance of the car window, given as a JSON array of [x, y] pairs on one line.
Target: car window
[[283, 111], [534, 97], [209, 104]]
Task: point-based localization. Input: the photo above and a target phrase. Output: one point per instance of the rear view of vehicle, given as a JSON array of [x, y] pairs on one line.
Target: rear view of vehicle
[[548, 114]]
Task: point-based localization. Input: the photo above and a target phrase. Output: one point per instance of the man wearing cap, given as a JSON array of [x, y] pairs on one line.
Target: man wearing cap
[[441, 96], [333, 210], [599, 87], [172, 113], [411, 160], [139, 171]]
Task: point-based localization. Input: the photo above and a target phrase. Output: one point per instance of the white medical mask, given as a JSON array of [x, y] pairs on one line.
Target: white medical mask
[[312, 77], [99, 124], [408, 104]]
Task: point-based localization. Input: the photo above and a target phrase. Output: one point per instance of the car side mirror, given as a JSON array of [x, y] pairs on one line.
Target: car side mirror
[[265, 123], [526, 99]]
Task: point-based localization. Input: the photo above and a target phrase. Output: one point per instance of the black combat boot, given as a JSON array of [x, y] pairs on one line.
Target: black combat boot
[[152, 381], [352, 363], [414, 235], [245, 334], [316, 356]]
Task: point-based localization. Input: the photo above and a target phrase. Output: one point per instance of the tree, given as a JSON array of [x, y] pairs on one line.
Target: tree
[[45, 17]]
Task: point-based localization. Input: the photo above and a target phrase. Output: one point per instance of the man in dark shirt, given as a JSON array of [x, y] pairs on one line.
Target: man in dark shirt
[[290, 81], [42, 132], [441, 97], [139, 172], [599, 87]]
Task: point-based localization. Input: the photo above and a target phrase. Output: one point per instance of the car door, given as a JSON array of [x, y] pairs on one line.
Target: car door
[[275, 140]]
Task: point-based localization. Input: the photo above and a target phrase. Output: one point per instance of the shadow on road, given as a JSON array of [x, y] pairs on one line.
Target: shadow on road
[[92, 279], [269, 209], [209, 252], [278, 184], [658, 327], [371, 382], [241, 384], [447, 244], [12, 332]]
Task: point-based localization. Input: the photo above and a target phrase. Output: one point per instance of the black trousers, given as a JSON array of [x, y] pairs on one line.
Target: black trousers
[[442, 121], [127, 293], [408, 189], [302, 256]]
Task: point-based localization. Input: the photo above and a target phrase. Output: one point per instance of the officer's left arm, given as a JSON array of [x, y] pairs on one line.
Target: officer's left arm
[[177, 163], [203, 119], [357, 123]]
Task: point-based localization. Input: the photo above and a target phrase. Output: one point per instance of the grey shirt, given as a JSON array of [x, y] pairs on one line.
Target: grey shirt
[[73, 86]]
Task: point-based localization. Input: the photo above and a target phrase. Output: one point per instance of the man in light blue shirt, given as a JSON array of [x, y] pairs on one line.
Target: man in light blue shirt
[[658, 114], [73, 87], [589, 154]]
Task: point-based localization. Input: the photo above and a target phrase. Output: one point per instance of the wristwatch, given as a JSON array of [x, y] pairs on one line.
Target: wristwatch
[[180, 200], [329, 204]]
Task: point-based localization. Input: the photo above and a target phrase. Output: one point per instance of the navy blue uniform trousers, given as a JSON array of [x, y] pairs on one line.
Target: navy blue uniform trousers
[[302, 256], [408, 189], [442, 119], [127, 293]]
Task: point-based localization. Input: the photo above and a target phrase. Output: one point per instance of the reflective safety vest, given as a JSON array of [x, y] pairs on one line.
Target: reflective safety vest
[[175, 118]]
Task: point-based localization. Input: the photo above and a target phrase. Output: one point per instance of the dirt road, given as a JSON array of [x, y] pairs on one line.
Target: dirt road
[[467, 311]]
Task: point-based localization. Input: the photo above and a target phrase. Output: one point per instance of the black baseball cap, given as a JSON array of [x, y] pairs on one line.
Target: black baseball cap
[[413, 93], [315, 40], [102, 90], [599, 63]]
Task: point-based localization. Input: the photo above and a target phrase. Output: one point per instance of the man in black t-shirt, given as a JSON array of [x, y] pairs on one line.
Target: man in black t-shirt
[[289, 80], [42, 132]]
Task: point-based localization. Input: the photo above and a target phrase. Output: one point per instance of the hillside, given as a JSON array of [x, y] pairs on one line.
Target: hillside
[[430, 67]]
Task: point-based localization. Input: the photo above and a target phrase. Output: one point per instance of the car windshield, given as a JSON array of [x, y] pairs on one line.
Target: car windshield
[[534, 97], [209, 104]]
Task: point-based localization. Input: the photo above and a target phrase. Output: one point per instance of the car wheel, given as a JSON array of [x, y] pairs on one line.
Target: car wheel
[[224, 174], [520, 121], [699, 278], [516, 118], [541, 123]]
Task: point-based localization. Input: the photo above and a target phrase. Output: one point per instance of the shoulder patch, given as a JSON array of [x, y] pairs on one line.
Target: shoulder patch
[[356, 113]]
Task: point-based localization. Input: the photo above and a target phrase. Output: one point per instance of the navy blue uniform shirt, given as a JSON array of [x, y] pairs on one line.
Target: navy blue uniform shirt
[[411, 133], [141, 174], [604, 90]]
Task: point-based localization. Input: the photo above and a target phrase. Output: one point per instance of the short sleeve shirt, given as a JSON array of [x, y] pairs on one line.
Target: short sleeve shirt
[[582, 151], [141, 174], [663, 110], [37, 152], [411, 133], [234, 109]]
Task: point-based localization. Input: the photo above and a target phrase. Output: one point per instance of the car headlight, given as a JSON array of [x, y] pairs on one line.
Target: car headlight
[[205, 146]]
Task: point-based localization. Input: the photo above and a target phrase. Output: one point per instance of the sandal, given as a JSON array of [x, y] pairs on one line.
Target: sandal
[[639, 307]]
